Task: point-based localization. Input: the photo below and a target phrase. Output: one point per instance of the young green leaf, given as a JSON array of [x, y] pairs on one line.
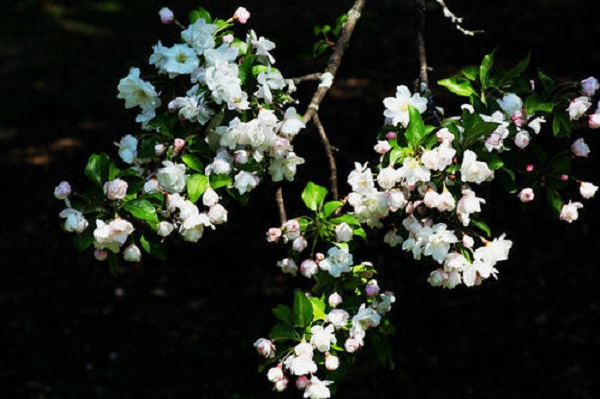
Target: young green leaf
[[196, 185], [313, 196], [416, 128], [83, 240], [142, 209], [318, 308], [330, 207], [303, 312], [534, 103], [198, 13], [459, 86], [193, 162], [485, 67], [97, 169]]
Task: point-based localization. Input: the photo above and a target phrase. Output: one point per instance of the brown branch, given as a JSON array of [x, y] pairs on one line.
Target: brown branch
[[280, 205], [420, 9], [306, 78], [330, 157], [336, 57]]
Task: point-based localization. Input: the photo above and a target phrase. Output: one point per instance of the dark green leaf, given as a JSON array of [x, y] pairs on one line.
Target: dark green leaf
[[546, 80], [485, 67], [97, 169], [284, 314], [113, 263], [313, 196], [482, 226], [83, 240], [534, 103], [519, 69], [555, 200], [561, 125], [303, 312], [142, 209], [281, 332]]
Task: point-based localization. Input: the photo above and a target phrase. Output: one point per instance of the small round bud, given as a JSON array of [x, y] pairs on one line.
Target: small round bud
[[587, 190], [275, 374], [132, 253], [116, 189], [468, 241], [308, 268], [564, 177], [274, 234], [299, 244], [62, 191], [301, 382], [529, 168], [159, 149], [372, 289], [241, 15], [390, 135], [164, 229], [331, 362], [335, 300], [352, 345], [178, 144], [100, 254], [265, 347], [166, 16], [228, 39], [526, 195]]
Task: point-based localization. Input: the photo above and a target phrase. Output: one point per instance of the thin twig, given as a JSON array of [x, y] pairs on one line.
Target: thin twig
[[306, 78], [336, 57], [280, 205], [457, 21], [420, 9], [330, 157]]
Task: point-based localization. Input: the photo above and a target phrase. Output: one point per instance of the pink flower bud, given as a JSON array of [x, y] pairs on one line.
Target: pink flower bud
[[241, 157], [115, 189], [372, 289], [242, 15], [227, 38], [319, 257], [468, 241], [390, 135], [382, 147], [529, 168], [519, 118], [179, 144], [274, 234], [335, 300], [331, 362], [301, 382], [308, 268], [265, 347], [166, 16], [62, 191], [526, 195], [564, 177], [594, 121], [100, 254], [352, 345]]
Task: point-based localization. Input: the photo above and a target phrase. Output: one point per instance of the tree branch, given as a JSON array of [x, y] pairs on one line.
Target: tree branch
[[306, 78], [280, 205], [457, 21], [420, 9], [330, 157]]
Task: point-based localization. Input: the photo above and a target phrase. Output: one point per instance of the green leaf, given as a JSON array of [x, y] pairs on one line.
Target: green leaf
[[198, 13], [555, 200], [485, 67], [193, 162], [218, 181], [83, 240], [281, 332], [361, 233], [313, 196], [318, 308], [397, 152], [493, 160], [284, 314], [520, 68], [196, 185], [245, 68], [339, 24], [258, 69], [134, 183], [471, 73], [303, 311], [113, 171], [240, 45], [534, 103], [546, 80], [482, 226], [330, 207], [349, 219], [146, 148], [142, 209], [113, 263], [459, 86], [561, 165], [416, 128], [561, 125], [97, 169]]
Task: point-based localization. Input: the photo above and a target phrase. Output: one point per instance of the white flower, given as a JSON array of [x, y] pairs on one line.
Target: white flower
[[199, 35], [397, 107], [331, 362], [335, 300], [446, 201], [326, 80], [245, 181], [444, 135], [510, 103], [569, 211], [594, 120], [536, 124], [241, 15], [164, 228], [587, 190], [75, 221], [494, 251], [288, 266], [275, 373], [437, 241], [172, 177], [469, 203], [589, 86], [220, 55], [580, 148], [322, 338], [292, 123], [166, 15], [352, 345], [112, 235], [337, 262], [412, 171], [577, 107], [364, 319], [385, 302], [317, 389], [285, 167], [115, 189], [382, 147], [151, 186], [526, 194], [474, 171], [132, 253], [300, 365], [137, 92], [221, 164], [262, 46], [210, 197], [343, 232], [308, 268], [180, 59], [281, 385], [292, 229], [440, 157], [128, 148], [266, 348], [522, 139], [62, 191], [361, 179], [217, 214], [392, 238], [299, 244], [388, 177], [338, 318]]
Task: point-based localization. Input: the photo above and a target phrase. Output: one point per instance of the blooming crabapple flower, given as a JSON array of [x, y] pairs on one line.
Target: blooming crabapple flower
[[128, 148], [577, 107], [536, 124], [159, 149], [361, 179], [397, 107], [335, 300], [437, 278], [338, 318], [115, 189], [322, 338], [387, 178], [594, 120], [210, 197], [587, 190], [241, 15], [413, 172], [292, 123], [343, 232], [337, 262], [300, 365], [151, 186], [274, 234], [227, 39], [467, 241], [474, 171], [245, 181], [308, 268], [299, 244], [180, 59], [468, 204], [331, 362], [352, 345], [302, 382], [522, 139], [292, 229], [494, 251], [100, 254], [172, 177], [390, 135], [437, 241], [392, 238], [164, 228], [317, 389], [262, 46], [519, 118], [285, 167], [372, 289], [166, 15], [364, 319], [385, 303], [440, 157], [446, 201], [569, 211], [275, 373], [137, 92], [580, 148], [288, 266], [444, 135], [178, 144], [265, 348], [281, 385], [240, 157], [217, 214], [199, 35], [75, 222], [589, 86], [326, 80], [62, 191], [132, 253], [431, 198], [510, 103], [382, 147], [112, 235], [526, 195]]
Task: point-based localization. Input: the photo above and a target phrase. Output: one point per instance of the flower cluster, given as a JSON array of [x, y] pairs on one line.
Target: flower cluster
[[215, 122]]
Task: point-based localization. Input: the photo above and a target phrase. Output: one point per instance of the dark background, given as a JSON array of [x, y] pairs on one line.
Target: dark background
[[185, 327]]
